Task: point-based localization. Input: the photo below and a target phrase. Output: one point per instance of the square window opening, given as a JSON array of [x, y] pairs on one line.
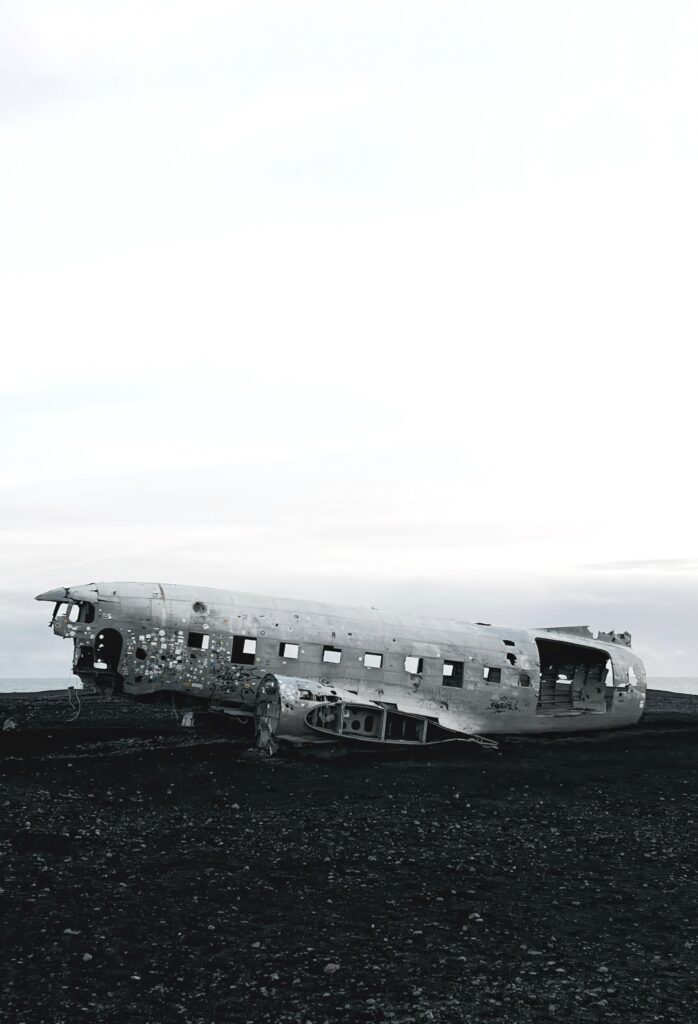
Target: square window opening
[[414, 665], [199, 641], [333, 655], [453, 673], [244, 650], [287, 650], [373, 660], [492, 675]]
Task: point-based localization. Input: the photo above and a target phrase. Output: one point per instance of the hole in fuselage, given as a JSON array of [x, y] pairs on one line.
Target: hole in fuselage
[[108, 650], [571, 676]]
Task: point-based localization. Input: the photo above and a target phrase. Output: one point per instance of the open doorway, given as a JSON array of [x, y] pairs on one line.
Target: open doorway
[[571, 677], [107, 656]]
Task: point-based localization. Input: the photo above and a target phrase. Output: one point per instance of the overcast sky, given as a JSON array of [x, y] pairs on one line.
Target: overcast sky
[[387, 303]]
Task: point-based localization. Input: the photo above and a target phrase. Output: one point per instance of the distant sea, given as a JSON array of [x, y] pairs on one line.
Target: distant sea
[[677, 684], [33, 685]]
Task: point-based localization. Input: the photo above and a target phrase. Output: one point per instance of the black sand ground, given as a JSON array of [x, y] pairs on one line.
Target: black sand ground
[[154, 875]]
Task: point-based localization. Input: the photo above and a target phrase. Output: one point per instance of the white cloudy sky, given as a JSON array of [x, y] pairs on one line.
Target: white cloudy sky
[[380, 302]]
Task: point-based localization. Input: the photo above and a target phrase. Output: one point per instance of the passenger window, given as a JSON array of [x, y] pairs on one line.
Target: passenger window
[[373, 660], [453, 673], [492, 675], [332, 654], [288, 650], [415, 666], [199, 641], [244, 650]]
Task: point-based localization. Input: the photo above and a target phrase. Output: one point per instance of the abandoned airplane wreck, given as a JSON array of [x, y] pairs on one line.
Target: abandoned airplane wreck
[[302, 672]]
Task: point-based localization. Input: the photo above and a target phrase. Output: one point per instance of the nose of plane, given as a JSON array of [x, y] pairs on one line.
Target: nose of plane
[[59, 594], [87, 592]]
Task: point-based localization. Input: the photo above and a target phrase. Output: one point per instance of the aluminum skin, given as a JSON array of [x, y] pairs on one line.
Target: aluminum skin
[[304, 672]]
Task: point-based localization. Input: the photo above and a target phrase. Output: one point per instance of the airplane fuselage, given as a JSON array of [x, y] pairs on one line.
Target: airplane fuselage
[[311, 672]]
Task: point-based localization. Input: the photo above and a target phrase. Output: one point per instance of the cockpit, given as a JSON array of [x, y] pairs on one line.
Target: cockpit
[[73, 611]]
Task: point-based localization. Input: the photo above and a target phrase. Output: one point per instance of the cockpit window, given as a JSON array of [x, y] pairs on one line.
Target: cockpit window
[[74, 611], [87, 612]]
